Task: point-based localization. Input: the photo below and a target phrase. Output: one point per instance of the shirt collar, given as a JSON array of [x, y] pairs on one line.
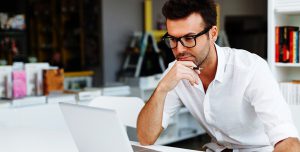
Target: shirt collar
[[221, 64]]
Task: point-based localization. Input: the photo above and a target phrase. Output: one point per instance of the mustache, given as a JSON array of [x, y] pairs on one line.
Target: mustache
[[185, 54]]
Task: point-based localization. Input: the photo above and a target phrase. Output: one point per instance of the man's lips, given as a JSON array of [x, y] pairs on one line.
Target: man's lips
[[185, 58]]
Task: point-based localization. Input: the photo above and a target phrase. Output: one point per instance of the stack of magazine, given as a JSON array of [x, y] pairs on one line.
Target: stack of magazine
[[291, 92]]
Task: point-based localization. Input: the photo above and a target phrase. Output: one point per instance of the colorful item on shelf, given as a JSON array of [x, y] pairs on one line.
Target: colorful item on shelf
[[34, 78], [5, 82], [53, 80], [287, 44], [19, 84]]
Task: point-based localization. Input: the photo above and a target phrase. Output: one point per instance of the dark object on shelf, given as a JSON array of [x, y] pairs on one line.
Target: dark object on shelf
[[166, 53], [12, 47], [247, 32], [150, 63], [13, 33], [65, 33]]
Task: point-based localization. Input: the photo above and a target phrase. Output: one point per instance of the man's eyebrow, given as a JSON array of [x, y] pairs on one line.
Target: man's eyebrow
[[188, 34]]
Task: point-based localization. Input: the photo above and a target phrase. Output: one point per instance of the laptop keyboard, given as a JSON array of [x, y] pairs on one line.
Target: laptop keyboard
[[142, 149]]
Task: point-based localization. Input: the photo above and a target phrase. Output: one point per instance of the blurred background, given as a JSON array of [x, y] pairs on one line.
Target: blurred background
[[97, 35]]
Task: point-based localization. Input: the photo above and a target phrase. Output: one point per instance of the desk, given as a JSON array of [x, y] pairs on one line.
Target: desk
[[41, 128], [46, 140], [165, 148]]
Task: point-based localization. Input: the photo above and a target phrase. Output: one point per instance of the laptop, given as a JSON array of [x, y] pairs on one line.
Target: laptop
[[97, 129]]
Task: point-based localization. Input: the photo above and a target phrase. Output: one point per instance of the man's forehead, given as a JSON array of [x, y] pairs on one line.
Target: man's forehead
[[179, 29]]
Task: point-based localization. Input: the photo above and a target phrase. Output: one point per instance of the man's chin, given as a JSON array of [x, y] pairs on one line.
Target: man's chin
[[185, 60]]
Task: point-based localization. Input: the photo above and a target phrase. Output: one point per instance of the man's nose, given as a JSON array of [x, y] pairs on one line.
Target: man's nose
[[180, 48]]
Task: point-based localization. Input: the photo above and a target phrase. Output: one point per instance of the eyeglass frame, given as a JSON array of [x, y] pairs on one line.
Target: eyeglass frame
[[179, 38]]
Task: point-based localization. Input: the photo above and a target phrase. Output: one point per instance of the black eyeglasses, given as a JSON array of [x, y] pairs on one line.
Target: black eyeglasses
[[188, 41]]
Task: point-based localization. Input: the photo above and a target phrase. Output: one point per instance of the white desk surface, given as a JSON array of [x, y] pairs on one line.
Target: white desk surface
[[42, 129], [45, 140], [165, 148]]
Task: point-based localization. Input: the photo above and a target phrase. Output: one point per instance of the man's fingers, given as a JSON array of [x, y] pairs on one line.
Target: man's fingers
[[191, 65], [197, 71], [184, 70], [193, 73], [193, 80], [189, 78], [187, 64]]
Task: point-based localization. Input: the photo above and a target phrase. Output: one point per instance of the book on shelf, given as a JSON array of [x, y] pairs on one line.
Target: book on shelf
[[5, 82], [287, 44], [34, 78], [19, 84], [291, 91], [53, 80]]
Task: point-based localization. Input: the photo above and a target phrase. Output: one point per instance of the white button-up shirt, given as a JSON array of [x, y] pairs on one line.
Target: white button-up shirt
[[242, 108]]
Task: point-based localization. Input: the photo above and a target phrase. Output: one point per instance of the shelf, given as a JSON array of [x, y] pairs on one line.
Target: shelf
[[12, 32], [288, 10], [287, 64], [21, 102], [79, 74], [287, 6], [66, 27]]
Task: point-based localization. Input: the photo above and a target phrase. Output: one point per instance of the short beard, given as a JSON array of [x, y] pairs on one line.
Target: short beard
[[205, 58]]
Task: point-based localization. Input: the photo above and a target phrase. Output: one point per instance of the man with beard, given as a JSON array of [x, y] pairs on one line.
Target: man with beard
[[231, 92]]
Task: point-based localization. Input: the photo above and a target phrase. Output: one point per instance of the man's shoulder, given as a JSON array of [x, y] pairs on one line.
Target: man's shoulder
[[242, 58]]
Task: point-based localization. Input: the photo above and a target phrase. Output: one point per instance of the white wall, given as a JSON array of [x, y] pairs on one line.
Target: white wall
[[119, 19]]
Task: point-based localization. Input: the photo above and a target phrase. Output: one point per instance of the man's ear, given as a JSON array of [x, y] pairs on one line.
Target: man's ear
[[214, 33]]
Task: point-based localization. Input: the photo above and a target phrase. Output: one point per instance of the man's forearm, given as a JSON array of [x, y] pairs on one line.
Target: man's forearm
[[288, 145], [149, 124], [150, 118]]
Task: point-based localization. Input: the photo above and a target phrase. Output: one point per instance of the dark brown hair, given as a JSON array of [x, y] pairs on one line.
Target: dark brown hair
[[178, 9]]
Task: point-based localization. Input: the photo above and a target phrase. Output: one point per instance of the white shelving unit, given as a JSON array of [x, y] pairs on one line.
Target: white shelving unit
[[287, 65], [183, 126], [283, 13]]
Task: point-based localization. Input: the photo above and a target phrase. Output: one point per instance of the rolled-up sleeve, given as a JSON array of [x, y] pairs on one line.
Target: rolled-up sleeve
[[269, 104], [172, 102], [172, 105]]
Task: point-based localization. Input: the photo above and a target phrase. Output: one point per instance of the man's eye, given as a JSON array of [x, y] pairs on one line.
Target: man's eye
[[172, 39], [188, 38]]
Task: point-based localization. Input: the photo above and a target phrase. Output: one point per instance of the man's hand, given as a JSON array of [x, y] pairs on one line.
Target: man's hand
[[180, 70], [288, 145]]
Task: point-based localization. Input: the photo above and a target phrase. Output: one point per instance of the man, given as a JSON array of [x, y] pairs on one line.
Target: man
[[231, 92]]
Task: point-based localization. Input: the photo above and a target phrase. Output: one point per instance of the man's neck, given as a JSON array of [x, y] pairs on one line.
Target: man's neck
[[210, 67]]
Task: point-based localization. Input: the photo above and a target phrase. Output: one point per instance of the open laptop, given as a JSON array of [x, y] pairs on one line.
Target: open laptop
[[97, 129]]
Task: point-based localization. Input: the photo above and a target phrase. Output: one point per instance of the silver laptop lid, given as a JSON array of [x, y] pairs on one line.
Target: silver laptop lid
[[95, 129]]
